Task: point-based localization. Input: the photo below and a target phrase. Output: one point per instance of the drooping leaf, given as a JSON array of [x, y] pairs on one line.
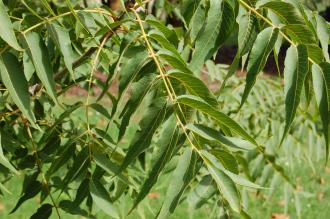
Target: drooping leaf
[[261, 49], [139, 91], [28, 66], [227, 23], [62, 39], [227, 159], [197, 21], [79, 165], [182, 176], [206, 41], [77, 17], [201, 193], [323, 33], [132, 66], [170, 136], [102, 199], [31, 190], [247, 34], [220, 117], [214, 135], [4, 161], [315, 53], [44, 212], [81, 194], [174, 61], [321, 82], [142, 139], [38, 53], [285, 11], [100, 109], [66, 206], [169, 34], [195, 86], [109, 166], [225, 184], [6, 28], [13, 78], [299, 33], [295, 71], [217, 162]]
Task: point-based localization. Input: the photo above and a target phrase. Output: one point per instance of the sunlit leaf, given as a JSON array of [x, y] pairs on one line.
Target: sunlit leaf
[[13, 78], [296, 69], [6, 28]]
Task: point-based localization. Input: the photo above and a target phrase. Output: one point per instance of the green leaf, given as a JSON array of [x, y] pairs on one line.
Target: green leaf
[[221, 118], [321, 84], [261, 49], [139, 90], [247, 34], [66, 206], [4, 161], [201, 193], [299, 33], [62, 40], [195, 86], [171, 136], [225, 184], [170, 35], [227, 160], [148, 126], [165, 44], [81, 194], [6, 28], [323, 34], [181, 177], [228, 21], [13, 78], [295, 71], [28, 66], [174, 60], [206, 41], [44, 212], [197, 21], [214, 135], [38, 53], [102, 199], [100, 109], [109, 167], [132, 66], [77, 17], [218, 161], [31, 190], [285, 11], [315, 53], [80, 164]]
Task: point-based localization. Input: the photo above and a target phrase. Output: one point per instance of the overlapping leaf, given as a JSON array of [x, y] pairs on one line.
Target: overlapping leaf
[[13, 78], [321, 81], [6, 28], [38, 53], [220, 117], [261, 49], [296, 69]]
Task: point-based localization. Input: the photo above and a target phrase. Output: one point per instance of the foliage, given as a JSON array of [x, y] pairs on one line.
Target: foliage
[[149, 71]]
